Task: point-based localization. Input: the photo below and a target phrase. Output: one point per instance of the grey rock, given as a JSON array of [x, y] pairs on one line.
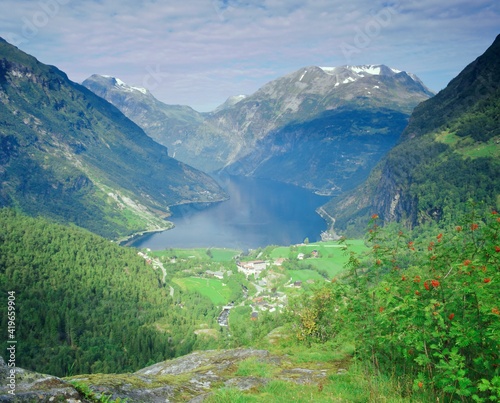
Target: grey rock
[[33, 387], [191, 378]]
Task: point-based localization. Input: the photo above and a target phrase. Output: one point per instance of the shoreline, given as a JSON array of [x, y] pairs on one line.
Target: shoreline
[[126, 241]]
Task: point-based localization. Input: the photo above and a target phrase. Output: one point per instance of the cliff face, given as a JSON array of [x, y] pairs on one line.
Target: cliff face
[[448, 154]]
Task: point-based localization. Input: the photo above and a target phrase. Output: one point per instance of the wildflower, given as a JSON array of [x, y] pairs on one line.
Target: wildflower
[[435, 283], [439, 237], [494, 212], [378, 262], [426, 285], [495, 310], [474, 227], [410, 245], [467, 262], [458, 228], [403, 278], [431, 246], [487, 280], [417, 292], [374, 216], [451, 316], [381, 309], [497, 249], [420, 384], [417, 279]]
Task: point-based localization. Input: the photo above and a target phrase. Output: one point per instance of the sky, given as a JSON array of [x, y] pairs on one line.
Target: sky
[[200, 52]]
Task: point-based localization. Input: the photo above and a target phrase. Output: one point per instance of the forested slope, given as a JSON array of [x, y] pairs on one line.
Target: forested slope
[[85, 304]]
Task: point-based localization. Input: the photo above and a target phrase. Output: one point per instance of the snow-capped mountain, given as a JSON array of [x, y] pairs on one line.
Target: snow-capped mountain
[[123, 86], [368, 70]]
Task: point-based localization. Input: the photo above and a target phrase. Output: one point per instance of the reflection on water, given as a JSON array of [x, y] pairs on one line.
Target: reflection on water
[[259, 213]]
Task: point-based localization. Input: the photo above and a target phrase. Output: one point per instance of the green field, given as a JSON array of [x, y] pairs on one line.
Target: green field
[[209, 287], [331, 249], [304, 275], [218, 254], [332, 255], [223, 255]]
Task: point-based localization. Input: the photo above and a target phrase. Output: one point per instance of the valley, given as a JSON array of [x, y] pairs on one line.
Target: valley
[[241, 301], [263, 278]]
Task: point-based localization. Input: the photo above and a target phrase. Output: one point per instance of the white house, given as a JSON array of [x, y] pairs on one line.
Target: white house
[[254, 267]]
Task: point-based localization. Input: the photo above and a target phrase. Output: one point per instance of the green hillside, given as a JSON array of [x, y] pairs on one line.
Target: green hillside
[[70, 155]]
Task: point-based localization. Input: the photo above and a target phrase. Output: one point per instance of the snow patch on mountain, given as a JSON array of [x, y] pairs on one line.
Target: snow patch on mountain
[[369, 69], [124, 86], [364, 70]]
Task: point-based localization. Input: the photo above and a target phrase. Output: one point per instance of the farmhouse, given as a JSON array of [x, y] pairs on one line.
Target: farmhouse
[[254, 267], [217, 274]]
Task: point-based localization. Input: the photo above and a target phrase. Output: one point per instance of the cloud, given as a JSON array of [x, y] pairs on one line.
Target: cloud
[[199, 52]]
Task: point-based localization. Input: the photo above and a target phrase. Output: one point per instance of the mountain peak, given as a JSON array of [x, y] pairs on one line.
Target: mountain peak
[[115, 81], [231, 101], [372, 69], [368, 70]]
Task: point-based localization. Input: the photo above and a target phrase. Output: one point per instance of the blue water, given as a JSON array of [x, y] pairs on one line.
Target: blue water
[[258, 213]]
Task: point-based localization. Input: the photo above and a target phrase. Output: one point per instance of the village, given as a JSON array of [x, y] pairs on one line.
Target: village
[[264, 282]]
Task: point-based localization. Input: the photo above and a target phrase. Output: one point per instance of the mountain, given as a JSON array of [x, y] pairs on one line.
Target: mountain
[[448, 154], [166, 124], [325, 128], [69, 154], [318, 127], [231, 101]]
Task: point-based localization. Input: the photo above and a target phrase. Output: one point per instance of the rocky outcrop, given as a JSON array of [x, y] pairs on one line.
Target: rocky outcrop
[[191, 378], [28, 386]]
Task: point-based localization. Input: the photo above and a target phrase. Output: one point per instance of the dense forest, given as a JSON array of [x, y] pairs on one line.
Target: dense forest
[[85, 304]]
